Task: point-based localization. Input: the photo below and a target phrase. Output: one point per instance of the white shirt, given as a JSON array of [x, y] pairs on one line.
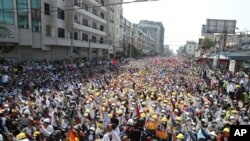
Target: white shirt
[[5, 78], [231, 88], [115, 137], [47, 131]]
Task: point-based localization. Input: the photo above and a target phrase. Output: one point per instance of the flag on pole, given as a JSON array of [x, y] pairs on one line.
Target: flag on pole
[[138, 107], [72, 136]]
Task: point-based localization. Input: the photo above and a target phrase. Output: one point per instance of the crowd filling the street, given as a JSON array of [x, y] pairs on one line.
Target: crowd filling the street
[[146, 99]]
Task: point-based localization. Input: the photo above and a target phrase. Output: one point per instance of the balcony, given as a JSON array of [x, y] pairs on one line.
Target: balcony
[[89, 29], [90, 15], [94, 2]]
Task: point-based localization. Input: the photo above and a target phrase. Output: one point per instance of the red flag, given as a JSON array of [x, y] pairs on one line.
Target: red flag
[[156, 60], [114, 62], [72, 136], [169, 60], [163, 61]]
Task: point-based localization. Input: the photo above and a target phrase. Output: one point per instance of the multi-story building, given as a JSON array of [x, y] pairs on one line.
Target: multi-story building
[[190, 47], [115, 12], [53, 30], [128, 33], [143, 40], [156, 30]]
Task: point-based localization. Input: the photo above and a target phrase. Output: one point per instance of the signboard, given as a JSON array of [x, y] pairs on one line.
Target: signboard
[[232, 65], [215, 61], [219, 26], [111, 50]]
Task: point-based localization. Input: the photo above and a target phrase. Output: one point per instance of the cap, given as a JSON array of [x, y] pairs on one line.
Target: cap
[[226, 130], [180, 136], [21, 136], [130, 122], [46, 120]]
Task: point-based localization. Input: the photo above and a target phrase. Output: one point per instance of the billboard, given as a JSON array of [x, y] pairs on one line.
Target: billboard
[[219, 26]]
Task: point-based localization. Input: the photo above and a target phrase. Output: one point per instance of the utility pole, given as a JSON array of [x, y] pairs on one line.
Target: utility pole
[[90, 50], [130, 50]]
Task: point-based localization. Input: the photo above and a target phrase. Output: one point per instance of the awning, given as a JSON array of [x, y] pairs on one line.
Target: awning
[[240, 58]]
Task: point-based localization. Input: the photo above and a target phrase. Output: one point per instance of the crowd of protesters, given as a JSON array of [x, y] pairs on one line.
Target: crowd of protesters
[[144, 100]]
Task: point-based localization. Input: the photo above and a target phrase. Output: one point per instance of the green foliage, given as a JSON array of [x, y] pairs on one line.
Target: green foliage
[[134, 51], [207, 43]]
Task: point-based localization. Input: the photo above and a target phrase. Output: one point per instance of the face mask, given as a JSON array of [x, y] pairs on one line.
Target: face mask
[[91, 132]]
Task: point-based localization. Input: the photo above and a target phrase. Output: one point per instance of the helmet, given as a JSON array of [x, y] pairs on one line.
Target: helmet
[[110, 115], [87, 111], [178, 118], [226, 130], [130, 122], [154, 116], [164, 119], [180, 136], [143, 115], [21, 136], [46, 120], [92, 128], [36, 133], [26, 112]]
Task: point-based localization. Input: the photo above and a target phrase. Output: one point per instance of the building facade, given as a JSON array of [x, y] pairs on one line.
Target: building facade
[[115, 13], [143, 40], [156, 30], [128, 33], [190, 47], [53, 30]]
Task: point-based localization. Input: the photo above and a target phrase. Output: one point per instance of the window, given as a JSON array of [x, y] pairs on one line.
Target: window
[[76, 19], [94, 11], [93, 39], [75, 35], [5, 33], [85, 22], [101, 40], [22, 14], [36, 25], [102, 15], [61, 33], [48, 30], [6, 12], [85, 37], [84, 6], [76, 2], [60, 14], [36, 15], [46, 9], [94, 25], [101, 27]]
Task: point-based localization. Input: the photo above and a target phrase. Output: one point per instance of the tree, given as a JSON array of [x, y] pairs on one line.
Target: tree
[[207, 43]]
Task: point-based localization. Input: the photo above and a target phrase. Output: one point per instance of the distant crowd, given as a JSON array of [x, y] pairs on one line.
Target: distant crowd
[[140, 100]]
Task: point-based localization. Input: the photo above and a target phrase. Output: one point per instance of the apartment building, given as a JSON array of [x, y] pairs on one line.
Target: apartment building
[[190, 47], [143, 39], [115, 25], [128, 33], [53, 30], [156, 30]]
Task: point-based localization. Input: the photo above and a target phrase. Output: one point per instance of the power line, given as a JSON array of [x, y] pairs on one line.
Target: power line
[[15, 10]]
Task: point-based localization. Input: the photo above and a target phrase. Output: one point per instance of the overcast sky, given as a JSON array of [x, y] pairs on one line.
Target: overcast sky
[[183, 19]]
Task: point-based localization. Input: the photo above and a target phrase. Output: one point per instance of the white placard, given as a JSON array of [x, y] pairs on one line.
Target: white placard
[[232, 65]]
